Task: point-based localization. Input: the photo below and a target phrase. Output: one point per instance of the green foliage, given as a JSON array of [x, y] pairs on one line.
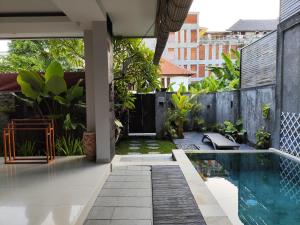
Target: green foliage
[[36, 55], [235, 131], [263, 138], [68, 145], [170, 87], [223, 78], [133, 70], [266, 111], [27, 148], [178, 114], [50, 96]]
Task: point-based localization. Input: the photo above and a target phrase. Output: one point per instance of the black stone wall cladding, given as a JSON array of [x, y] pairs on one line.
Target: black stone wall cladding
[[173, 201]]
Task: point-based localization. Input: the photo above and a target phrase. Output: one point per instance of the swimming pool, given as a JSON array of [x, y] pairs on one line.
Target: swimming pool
[[260, 188]]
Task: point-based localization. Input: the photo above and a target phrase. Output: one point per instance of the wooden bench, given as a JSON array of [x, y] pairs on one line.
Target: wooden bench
[[220, 142]]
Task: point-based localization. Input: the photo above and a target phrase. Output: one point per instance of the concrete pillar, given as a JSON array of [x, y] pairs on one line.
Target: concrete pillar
[[89, 81], [99, 77]]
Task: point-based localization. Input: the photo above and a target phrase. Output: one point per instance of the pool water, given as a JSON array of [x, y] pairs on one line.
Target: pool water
[[253, 188]]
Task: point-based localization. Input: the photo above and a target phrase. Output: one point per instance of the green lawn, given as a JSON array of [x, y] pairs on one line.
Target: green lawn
[[164, 146]]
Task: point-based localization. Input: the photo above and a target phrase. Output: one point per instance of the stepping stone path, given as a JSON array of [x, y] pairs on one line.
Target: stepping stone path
[[151, 147], [134, 147]]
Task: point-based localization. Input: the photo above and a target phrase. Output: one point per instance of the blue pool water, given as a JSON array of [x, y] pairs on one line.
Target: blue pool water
[[266, 186]]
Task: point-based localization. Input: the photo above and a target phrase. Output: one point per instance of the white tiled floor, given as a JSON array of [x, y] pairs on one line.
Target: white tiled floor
[[55, 194]]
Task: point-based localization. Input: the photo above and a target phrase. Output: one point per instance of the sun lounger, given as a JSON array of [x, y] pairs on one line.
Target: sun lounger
[[219, 141]]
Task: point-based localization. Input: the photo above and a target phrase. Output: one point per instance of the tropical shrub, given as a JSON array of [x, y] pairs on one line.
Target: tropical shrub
[[27, 148], [224, 78], [263, 139], [49, 95], [235, 131], [68, 145]]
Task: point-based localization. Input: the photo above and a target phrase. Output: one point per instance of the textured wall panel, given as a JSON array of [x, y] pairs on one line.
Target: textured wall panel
[[288, 8], [258, 62]]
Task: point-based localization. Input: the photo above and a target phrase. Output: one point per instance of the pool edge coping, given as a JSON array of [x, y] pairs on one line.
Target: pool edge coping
[[211, 210]]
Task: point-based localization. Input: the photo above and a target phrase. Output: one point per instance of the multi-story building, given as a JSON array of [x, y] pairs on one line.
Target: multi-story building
[[195, 49]]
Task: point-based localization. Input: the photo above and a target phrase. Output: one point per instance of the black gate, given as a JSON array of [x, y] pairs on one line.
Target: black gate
[[142, 118]]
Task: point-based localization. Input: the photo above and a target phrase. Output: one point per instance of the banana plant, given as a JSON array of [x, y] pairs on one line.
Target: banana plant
[[49, 94], [182, 107]]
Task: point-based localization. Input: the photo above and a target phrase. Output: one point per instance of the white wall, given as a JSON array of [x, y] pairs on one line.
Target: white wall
[[178, 81]]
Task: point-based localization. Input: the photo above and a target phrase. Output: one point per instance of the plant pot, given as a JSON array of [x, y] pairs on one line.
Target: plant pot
[[89, 145]]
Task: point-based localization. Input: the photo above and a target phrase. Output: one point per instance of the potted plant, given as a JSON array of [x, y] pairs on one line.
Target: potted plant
[[89, 145]]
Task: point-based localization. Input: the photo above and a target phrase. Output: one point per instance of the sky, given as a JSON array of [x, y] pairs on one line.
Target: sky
[[218, 15]]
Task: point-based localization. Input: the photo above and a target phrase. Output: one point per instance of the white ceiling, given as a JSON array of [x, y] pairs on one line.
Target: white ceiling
[[130, 18]]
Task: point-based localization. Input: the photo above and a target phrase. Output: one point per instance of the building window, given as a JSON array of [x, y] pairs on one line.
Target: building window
[[163, 82], [185, 53], [168, 81], [217, 52], [179, 38], [193, 68], [171, 37], [194, 53], [202, 52], [210, 52], [193, 36], [185, 66], [171, 53], [201, 72], [185, 36]]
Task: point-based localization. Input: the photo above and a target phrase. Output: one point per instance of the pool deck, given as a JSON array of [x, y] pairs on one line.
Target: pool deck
[[60, 193]]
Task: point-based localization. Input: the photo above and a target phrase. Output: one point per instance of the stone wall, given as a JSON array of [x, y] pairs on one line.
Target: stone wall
[[227, 106], [252, 101]]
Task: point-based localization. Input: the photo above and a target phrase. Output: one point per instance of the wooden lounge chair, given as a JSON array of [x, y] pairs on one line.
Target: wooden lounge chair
[[220, 142]]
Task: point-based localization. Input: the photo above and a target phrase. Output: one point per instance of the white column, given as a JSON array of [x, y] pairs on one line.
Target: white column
[[99, 89]]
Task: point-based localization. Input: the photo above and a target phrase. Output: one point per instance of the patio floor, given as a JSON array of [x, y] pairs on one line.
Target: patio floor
[[56, 194], [193, 141]]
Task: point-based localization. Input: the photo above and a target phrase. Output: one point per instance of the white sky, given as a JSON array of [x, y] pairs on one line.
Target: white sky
[[218, 15]]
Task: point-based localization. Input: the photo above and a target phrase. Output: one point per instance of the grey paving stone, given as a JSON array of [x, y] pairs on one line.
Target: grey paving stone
[[118, 222], [134, 147], [124, 201], [129, 185], [134, 153], [133, 213], [126, 192], [129, 178], [152, 144], [153, 148], [101, 213], [130, 172], [135, 144], [131, 222], [97, 222], [147, 168]]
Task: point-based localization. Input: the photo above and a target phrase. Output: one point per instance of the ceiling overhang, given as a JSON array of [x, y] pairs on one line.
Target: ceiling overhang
[[69, 18]]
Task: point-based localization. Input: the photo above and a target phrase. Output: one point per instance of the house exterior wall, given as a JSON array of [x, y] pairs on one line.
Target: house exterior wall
[[288, 8], [189, 49], [258, 62], [166, 80]]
